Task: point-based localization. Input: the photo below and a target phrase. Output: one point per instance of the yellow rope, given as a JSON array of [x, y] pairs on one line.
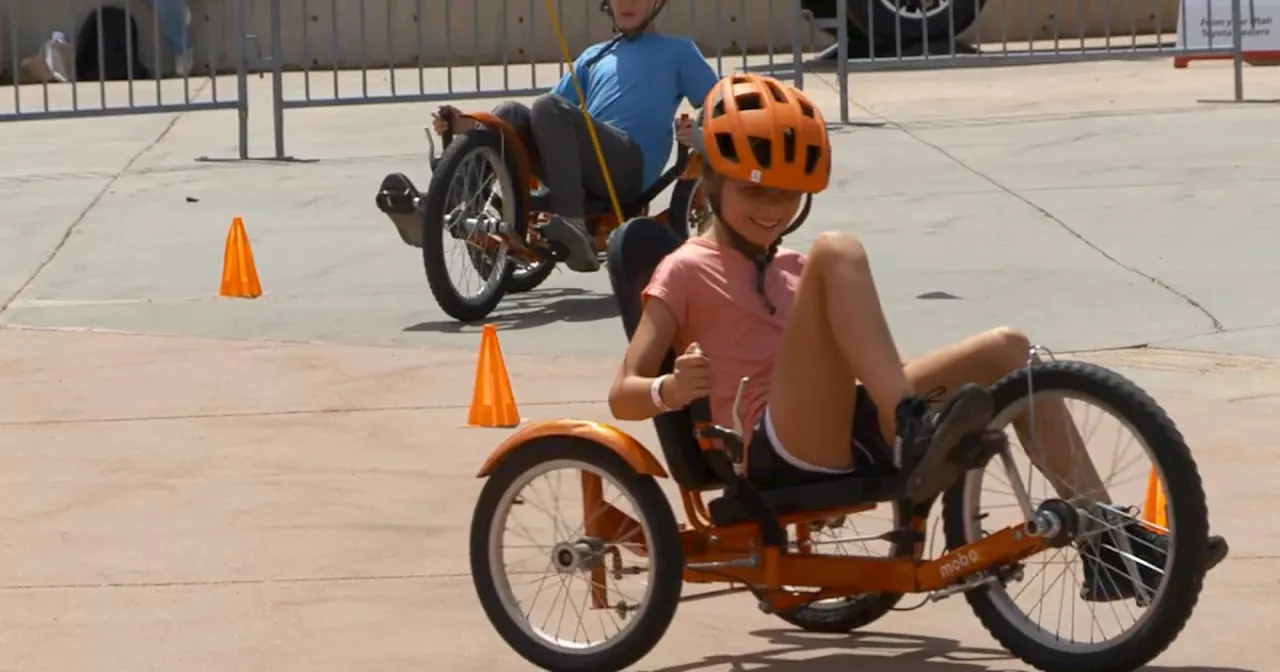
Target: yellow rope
[[582, 102]]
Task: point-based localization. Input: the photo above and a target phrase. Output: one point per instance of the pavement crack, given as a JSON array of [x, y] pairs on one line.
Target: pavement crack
[[93, 203], [1218, 327]]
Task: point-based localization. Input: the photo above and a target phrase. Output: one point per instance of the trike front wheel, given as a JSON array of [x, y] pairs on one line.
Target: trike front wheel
[[582, 571], [1118, 567]]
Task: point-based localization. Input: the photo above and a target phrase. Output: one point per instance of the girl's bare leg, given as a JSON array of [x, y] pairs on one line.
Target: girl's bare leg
[[836, 334], [837, 318], [1055, 445]]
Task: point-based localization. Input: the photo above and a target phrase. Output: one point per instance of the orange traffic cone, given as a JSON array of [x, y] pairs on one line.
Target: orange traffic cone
[[1155, 509], [492, 404], [239, 272]]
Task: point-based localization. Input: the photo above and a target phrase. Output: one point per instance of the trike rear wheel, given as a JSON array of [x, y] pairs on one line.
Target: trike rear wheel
[[529, 276], [847, 614], [1156, 584], [472, 201], [581, 567]]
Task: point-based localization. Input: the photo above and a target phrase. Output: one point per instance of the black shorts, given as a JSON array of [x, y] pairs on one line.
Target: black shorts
[[768, 469]]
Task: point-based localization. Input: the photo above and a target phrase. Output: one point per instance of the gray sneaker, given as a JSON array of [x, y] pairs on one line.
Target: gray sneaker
[[573, 235]]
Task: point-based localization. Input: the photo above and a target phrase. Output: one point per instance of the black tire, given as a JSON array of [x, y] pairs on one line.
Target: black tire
[[665, 556], [1189, 524], [433, 210], [528, 278], [875, 19], [858, 611]]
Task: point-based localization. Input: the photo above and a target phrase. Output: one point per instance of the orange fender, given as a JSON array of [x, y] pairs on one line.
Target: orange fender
[[607, 436]]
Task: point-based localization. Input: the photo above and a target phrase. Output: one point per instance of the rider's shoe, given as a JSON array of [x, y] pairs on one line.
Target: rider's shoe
[[573, 235], [928, 438], [1106, 574]]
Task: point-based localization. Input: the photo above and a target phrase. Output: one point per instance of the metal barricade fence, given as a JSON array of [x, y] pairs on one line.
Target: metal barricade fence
[[350, 52], [431, 68], [877, 35], [63, 60]]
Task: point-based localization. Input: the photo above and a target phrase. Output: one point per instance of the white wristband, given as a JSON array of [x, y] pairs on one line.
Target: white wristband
[[655, 391]]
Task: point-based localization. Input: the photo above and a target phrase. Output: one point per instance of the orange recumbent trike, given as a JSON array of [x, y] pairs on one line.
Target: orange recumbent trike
[[483, 194], [770, 543]]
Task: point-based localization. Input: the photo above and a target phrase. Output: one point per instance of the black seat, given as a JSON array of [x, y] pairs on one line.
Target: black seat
[[635, 250]]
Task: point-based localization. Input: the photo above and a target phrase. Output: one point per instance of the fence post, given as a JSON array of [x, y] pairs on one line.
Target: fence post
[[242, 76], [797, 43], [842, 58], [277, 78], [1237, 48]]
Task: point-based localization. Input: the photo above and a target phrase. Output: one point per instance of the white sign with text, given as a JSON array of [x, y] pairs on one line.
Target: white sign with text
[[1207, 25]]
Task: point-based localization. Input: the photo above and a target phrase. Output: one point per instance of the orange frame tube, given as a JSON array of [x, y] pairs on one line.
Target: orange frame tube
[[833, 576]]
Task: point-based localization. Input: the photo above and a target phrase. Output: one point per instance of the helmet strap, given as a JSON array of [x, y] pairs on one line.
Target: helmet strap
[[759, 256]]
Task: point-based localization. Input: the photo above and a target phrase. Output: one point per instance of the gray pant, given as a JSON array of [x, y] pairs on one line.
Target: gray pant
[[565, 160]]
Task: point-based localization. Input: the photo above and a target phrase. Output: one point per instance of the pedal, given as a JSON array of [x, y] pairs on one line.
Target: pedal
[[398, 199], [975, 450], [971, 451]]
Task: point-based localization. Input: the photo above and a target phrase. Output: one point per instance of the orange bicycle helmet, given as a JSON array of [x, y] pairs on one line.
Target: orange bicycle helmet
[[759, 130]]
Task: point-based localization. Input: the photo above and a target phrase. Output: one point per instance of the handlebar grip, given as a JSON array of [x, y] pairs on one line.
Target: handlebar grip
[[700, 411]]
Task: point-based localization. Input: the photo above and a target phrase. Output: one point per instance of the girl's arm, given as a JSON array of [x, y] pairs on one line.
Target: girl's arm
[[631, 396]]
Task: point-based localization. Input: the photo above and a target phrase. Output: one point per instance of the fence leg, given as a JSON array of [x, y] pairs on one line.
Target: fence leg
[[842, 58], [277, 79], [1237, 46], [797, 43], [242, 77]]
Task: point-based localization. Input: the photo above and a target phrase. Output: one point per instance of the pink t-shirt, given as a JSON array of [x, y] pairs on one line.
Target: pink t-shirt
[[712, 291]]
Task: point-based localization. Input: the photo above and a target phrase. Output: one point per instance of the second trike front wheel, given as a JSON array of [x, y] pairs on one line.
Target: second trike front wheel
[[602, 579], [470, 209], [1108, 565]]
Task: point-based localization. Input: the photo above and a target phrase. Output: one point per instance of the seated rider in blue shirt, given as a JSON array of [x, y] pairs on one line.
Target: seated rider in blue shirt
[[633, 84]]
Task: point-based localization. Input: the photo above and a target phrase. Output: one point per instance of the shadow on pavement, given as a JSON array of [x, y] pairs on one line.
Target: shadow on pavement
[[535, 309], [796, 651]]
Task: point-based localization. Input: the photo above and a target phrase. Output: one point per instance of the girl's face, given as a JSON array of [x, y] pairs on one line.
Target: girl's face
[[760, 214]]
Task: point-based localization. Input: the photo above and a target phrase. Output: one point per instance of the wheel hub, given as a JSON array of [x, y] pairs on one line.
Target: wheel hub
[[1057, 521], [571, 557], [915, 9]]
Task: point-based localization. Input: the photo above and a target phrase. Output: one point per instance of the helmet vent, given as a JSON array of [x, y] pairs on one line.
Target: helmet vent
[[805, 108], [776, 92], [749, 101], [761, 148], [724, 144], [789, 145], [812, 153]]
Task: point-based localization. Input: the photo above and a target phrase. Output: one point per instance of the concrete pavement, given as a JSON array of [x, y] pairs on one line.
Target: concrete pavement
[[206, 493]]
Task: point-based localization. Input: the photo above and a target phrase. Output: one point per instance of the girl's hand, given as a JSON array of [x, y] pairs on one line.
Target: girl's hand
[[690, 379]]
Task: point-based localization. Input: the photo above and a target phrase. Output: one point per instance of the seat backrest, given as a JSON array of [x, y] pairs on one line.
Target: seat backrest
[[635, 250]]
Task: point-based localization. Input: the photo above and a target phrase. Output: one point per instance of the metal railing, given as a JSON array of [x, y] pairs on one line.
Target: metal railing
[[436, 70], [352, 52], [67, 66], [976, 33]]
